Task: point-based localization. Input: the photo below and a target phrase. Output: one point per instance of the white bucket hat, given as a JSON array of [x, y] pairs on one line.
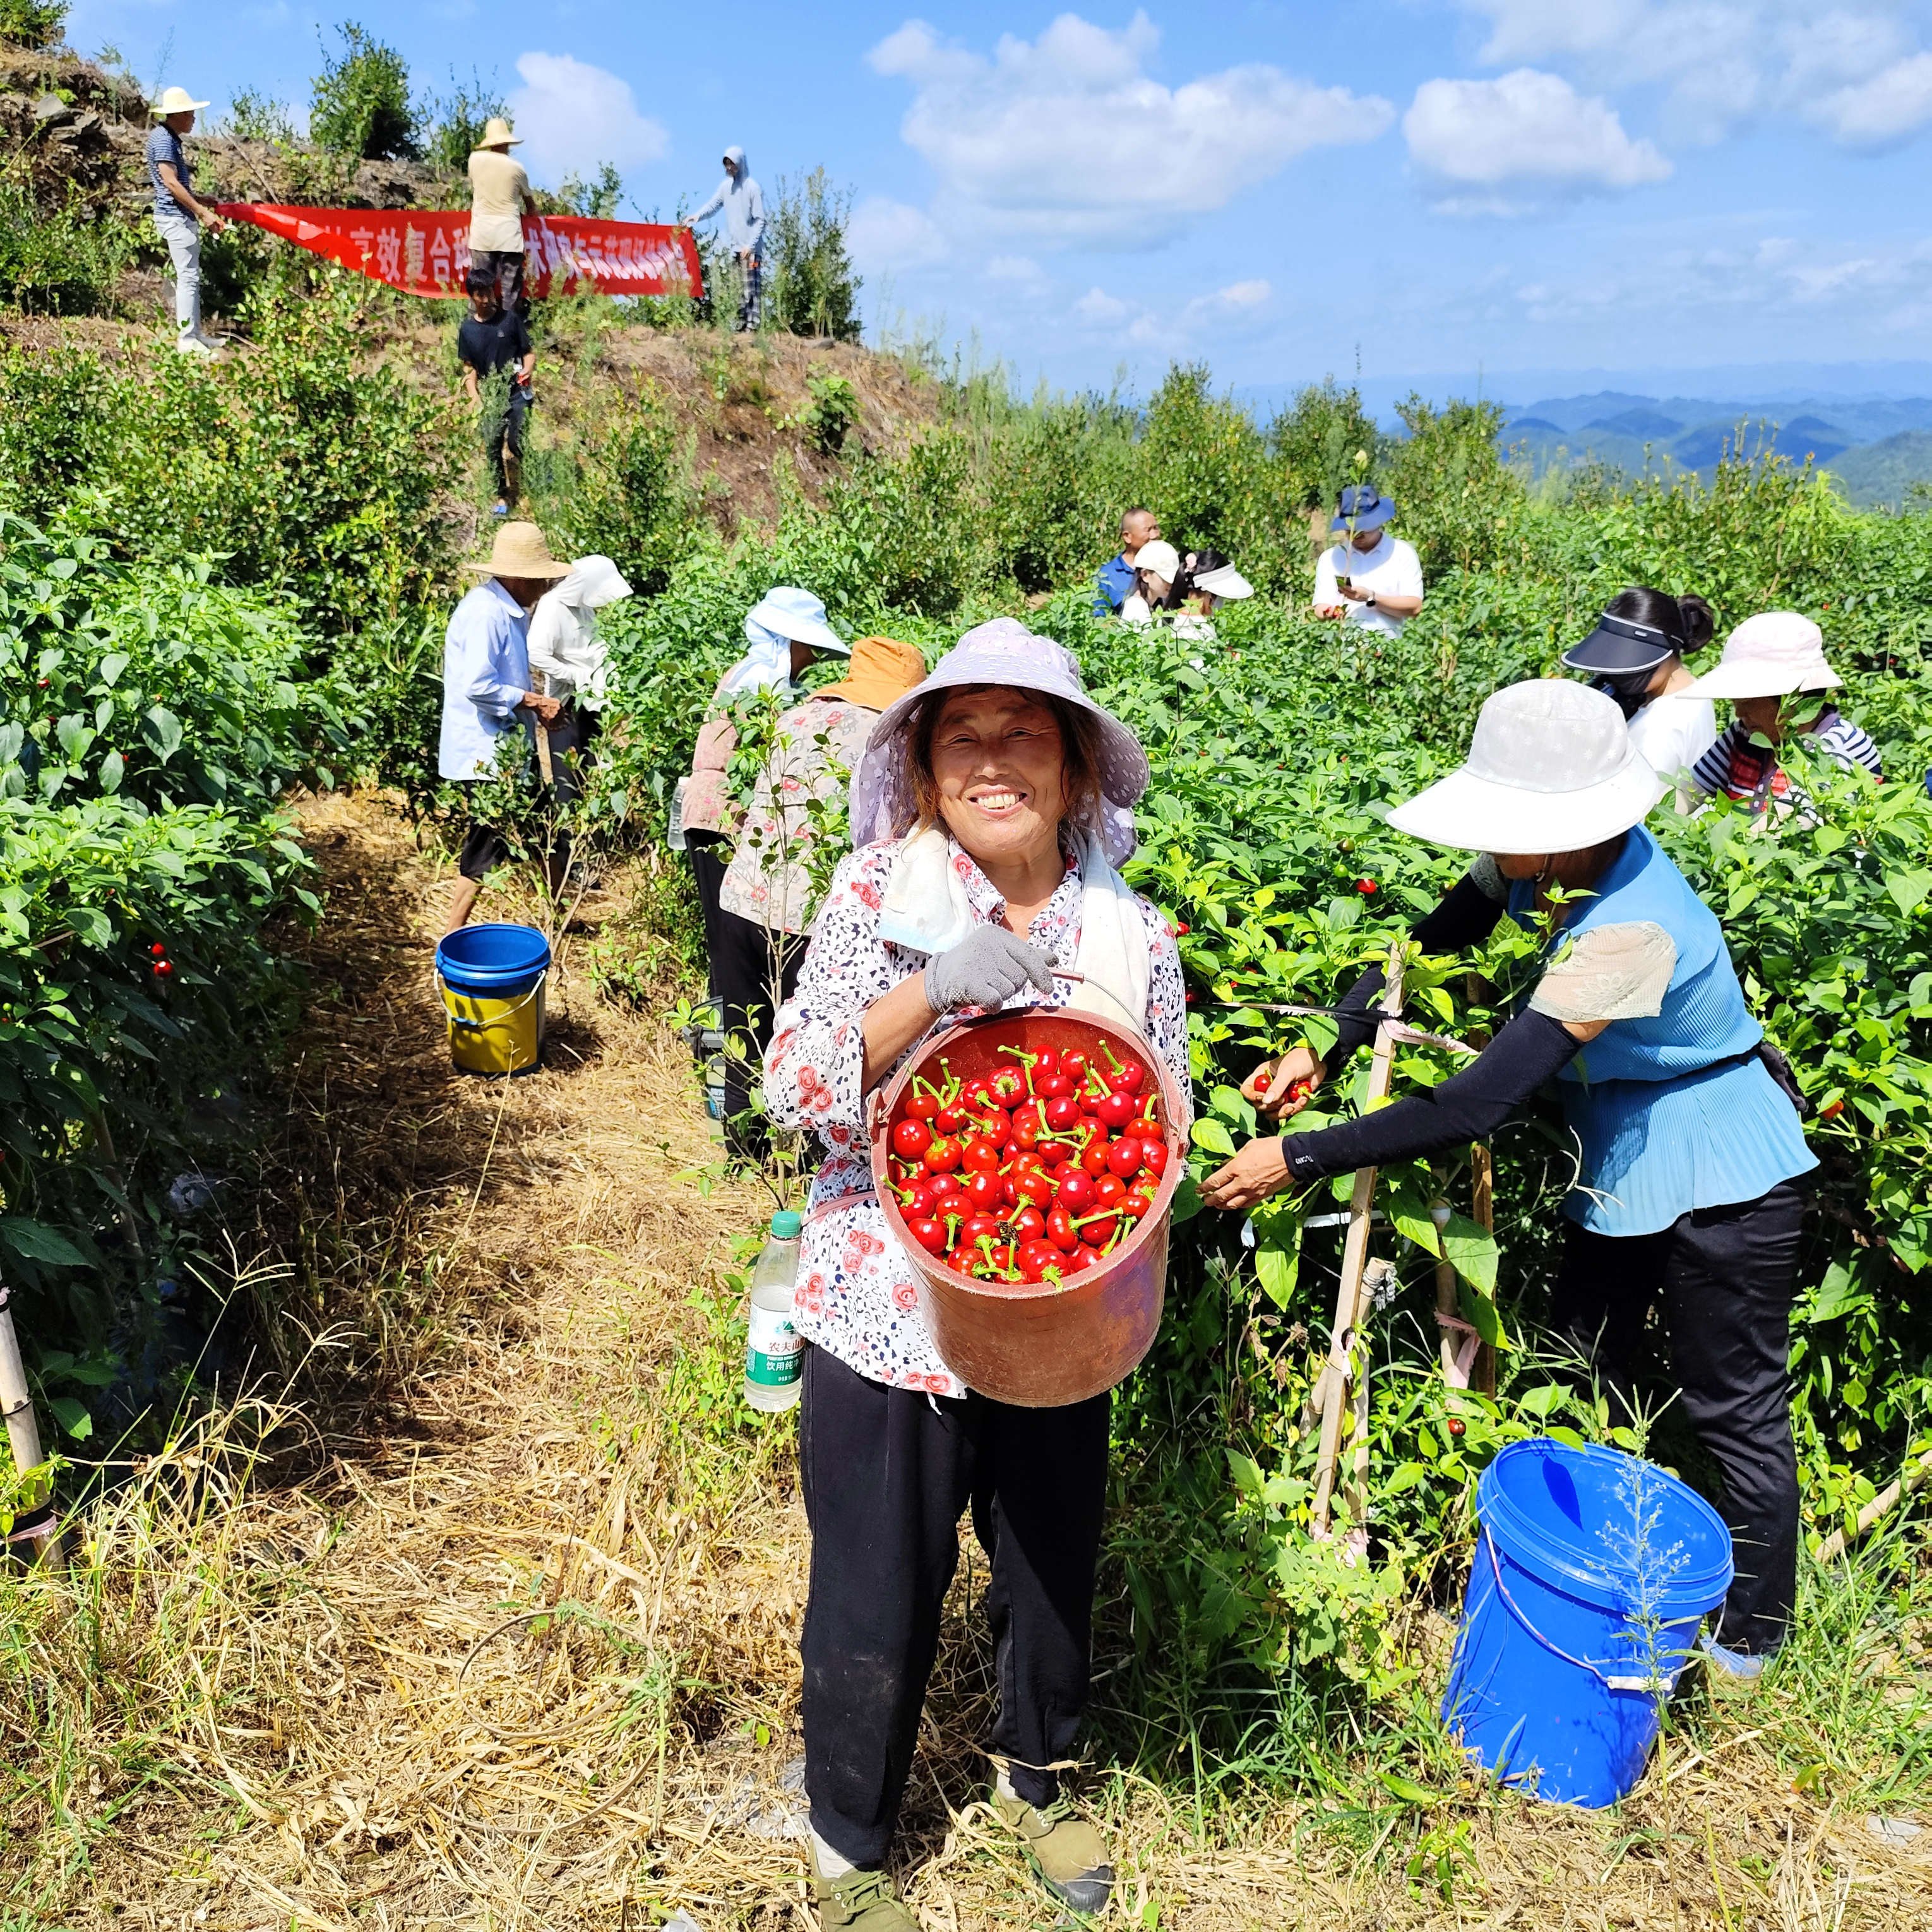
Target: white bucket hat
[[1551, 769], [176, 100], [798, 615], [1769, 655]]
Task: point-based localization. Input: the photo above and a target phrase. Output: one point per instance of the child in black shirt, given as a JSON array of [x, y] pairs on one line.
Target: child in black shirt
[[493, 339]]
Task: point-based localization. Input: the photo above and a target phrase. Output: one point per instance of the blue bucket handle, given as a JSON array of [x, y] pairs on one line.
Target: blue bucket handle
[[483, 1026], [1609, 1681]]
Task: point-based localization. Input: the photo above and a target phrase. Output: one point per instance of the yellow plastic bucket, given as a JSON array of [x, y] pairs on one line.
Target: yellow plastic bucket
[[491, 978]]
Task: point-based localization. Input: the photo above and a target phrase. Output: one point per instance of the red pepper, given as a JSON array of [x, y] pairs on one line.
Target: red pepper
[[911, 1139], [943, 1157]]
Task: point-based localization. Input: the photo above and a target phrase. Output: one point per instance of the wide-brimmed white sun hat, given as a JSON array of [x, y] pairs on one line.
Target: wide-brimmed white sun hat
[[1227, 583], [798, 615], [176, 100], [1551, 769], [1775, 653]]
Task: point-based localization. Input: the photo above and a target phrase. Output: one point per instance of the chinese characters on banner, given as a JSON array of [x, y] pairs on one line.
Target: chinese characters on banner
[[427, 253]]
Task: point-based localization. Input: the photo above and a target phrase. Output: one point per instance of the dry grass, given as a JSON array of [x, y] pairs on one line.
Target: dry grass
[[490, 1622]]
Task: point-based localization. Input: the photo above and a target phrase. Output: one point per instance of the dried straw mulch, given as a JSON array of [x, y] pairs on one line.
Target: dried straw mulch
[[523, 1629]]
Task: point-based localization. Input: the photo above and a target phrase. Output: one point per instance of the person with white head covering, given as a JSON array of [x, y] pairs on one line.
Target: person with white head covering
[[1689, 1190], [743, 203], [1156, 570], [989, 811], [1207, 579], [784, 631], [1775, 673], [568, 656], [180, 215]]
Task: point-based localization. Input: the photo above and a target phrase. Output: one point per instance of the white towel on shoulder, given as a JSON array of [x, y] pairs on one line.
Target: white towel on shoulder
[[926, 907]]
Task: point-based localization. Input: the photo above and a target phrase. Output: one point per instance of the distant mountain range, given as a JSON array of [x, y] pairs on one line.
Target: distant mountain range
[[1875, 447]]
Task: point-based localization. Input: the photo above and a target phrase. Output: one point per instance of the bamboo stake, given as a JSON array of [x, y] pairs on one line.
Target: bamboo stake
[[1483, 1209], [1887, 1499], [23, 1436], [540, 684], [1377, 1276], [1336, 1377]]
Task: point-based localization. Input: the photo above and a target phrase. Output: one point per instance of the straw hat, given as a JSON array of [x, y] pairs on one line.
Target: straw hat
[[881, 670], [519, 551], [176, 100], [1551, 769], [1769, 655], [496, 134]]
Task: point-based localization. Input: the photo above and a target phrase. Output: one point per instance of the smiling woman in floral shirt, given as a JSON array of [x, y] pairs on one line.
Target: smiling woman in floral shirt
[[990, 809]]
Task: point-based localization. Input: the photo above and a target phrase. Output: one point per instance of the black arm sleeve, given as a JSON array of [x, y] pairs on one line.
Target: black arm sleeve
[[1469, 1106], [1465, 917]]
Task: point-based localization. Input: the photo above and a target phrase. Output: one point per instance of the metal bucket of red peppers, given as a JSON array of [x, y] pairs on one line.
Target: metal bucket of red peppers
[[1027, 1162]]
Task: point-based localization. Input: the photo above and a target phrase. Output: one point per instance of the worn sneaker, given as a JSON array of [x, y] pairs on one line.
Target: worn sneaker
[[865, 1900], [1068, 1853], [1731, 1673], [192, 345]]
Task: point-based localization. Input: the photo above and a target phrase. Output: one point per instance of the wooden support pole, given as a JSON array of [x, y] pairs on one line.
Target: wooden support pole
[[540, 685], [1335, 1375], [1483, 1211], [17, 1407], [1887, 1500]]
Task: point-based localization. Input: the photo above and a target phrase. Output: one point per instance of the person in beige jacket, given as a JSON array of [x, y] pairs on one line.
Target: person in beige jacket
[[500, 198]]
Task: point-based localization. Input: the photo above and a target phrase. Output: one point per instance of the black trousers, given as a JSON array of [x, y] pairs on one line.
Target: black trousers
[[742, 956], [1724, 1278], [506, 266], [885, 1473], [708, 862], [503, 436]]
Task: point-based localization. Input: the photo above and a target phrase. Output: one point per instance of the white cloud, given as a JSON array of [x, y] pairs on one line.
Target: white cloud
[[1240, 295], [1021, 271], [1894, 103], [1099, 310], [1854, 71], [1066, 140], [884, 234], [1528, 128], [574, 117]]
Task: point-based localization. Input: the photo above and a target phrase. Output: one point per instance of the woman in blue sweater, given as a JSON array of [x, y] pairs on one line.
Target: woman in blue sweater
[[1688, 1194]]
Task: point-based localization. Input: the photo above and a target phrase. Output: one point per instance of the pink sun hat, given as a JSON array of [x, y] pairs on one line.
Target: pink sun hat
[[1769, 655], [1002, 652]]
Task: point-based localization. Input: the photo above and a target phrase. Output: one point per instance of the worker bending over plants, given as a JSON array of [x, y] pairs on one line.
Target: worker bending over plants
[[1689, 1191]]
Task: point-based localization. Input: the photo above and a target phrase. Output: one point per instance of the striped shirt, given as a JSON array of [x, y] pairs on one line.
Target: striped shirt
[[1751, 774]]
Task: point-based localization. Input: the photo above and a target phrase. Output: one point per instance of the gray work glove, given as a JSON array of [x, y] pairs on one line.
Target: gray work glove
[[985, 969]]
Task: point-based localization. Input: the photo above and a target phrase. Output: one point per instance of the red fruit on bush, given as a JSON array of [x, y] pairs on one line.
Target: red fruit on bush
[[1830, 1110], [1182, 929], [158, 950], [1456, 1425], [163, 969], [911, 1139], [1365, 887]]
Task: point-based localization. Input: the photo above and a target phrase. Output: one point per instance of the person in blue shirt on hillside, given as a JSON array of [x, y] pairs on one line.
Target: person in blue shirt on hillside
[[1117, 581], [1691, 1164], [743, 203], [179, 215], [486, 690]]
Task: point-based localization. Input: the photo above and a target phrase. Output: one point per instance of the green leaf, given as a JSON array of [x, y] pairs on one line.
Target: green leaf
[[1246, 1473], [113, 769], [111, 667], [163, 730], [1186, 1201], [1840, 1293], [1277, 1269], [1482, 1315], [1410, 1793], [39, 1242], [1908, 889], [1472, 1250], [1540, 1402], [1211, 1134], [72, 1416]]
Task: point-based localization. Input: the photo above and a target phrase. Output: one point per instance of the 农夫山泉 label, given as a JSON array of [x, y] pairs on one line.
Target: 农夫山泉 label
[[774, 1355]]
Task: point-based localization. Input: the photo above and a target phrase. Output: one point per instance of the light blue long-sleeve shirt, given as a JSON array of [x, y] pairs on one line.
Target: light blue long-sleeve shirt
[[486, 670], [743, 201]]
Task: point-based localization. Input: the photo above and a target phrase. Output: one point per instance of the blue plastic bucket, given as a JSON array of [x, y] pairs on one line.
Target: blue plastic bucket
[[491, 978], [1592, 1572]]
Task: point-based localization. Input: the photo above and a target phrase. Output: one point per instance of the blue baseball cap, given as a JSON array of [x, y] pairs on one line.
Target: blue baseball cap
[[1364, 506]]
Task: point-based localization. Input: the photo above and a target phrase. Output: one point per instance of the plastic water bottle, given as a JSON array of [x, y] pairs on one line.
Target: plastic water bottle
[[775, 1351]]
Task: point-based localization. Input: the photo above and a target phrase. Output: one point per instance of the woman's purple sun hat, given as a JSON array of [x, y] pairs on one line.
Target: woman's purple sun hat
[[1003, 652]]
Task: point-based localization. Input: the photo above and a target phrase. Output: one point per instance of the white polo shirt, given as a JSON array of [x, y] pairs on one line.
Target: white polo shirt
[[1391, 569]]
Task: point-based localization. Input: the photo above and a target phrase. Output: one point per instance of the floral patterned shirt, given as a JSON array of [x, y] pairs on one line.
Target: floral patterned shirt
[[819, 743], [856, 1295]]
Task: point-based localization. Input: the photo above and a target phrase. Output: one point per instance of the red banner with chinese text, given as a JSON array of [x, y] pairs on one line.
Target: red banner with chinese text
[[427, 253]]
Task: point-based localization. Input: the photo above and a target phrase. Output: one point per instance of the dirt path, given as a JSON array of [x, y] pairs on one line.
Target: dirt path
[[517, 1649]]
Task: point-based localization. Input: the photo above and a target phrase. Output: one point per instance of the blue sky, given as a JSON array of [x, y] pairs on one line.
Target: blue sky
[[1410, 187]]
